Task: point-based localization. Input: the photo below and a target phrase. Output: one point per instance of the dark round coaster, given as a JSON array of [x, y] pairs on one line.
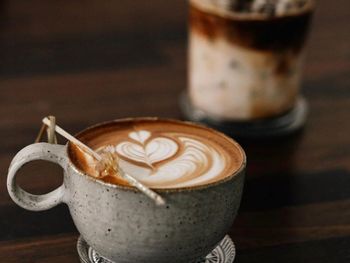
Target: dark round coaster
[[288, 123], [225, 252]]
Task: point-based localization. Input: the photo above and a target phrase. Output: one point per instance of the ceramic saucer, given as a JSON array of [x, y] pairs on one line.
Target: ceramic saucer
[[225, 252]]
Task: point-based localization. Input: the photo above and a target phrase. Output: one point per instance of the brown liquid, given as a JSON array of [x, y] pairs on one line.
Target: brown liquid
[[162, 133], [266, 34]]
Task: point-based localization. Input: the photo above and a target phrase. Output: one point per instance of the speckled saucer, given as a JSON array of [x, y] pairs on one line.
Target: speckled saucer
[[282, 125], [225, 252]]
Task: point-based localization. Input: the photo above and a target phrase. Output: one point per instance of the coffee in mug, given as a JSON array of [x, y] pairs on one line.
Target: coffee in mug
[[163, 155], [198, 171]]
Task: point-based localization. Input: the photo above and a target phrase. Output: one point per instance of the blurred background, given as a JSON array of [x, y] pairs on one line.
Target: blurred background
[[87, 61]]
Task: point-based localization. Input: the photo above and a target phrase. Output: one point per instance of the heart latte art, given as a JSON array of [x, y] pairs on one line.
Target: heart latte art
[[161, 154], [147, 152], [169, 160]]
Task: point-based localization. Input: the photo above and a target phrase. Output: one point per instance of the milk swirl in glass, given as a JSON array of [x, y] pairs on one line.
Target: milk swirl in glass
[[245, 57]]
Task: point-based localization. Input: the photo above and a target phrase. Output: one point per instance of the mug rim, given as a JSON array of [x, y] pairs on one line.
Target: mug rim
[[230, 177]]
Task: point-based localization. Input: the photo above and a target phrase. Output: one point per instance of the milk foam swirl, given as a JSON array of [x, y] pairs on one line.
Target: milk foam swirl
[[170, 159], [156, 150]]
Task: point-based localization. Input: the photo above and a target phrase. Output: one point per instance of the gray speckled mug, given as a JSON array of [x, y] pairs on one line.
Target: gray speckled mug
[[121, 223]]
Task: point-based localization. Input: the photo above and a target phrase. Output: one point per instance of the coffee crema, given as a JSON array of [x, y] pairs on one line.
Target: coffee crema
[[161, 153]]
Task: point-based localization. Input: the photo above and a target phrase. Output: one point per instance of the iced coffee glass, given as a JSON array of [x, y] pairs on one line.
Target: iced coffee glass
[[245, 57]]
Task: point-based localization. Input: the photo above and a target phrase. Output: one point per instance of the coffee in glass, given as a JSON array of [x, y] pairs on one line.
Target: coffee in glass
[[245, 59]]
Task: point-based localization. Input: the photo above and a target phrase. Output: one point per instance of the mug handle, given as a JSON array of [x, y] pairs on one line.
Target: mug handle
[[37, 151]]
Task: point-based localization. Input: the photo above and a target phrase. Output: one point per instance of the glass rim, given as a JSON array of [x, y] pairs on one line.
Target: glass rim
[[236, 15]]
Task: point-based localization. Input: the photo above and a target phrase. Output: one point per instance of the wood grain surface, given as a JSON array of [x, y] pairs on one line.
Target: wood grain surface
[[90, 61]]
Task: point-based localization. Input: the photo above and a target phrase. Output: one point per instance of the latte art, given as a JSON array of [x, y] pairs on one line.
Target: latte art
[[160, 154], [169, 160], [148, 152]]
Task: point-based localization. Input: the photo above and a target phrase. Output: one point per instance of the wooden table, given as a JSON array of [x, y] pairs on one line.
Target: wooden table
[[90, 61]]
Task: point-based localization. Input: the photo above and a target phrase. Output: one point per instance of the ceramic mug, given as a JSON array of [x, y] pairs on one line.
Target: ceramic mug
[[124, 225]]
